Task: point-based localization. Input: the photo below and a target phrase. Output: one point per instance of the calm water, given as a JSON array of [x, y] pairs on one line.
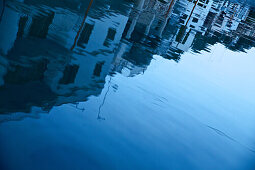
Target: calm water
[[121, 84]]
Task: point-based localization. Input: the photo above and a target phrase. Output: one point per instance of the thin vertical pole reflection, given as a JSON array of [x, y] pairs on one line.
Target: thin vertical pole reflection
[[2, 13], [191, 13], [99, 117], [82, 25], [169, 8]]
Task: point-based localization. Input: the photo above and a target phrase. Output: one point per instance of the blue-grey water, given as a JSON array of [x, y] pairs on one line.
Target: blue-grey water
[[121, 84]]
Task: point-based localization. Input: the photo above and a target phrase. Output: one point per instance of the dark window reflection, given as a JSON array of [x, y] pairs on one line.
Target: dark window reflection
[[98, 69], [110, 36], [69, 74], [40, 26], [85, 35], [22, 25]]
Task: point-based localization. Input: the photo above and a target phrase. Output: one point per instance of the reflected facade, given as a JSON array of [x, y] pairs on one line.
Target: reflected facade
[[118, 84]]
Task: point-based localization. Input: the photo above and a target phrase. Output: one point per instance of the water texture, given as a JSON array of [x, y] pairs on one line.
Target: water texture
[[127, 84]]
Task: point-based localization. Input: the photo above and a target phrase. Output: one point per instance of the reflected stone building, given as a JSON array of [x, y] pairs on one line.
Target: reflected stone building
[[144, 27], [229, 17], [223, 21], [38, 69]]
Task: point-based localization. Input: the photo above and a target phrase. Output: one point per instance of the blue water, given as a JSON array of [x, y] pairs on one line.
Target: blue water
[[121, 98]]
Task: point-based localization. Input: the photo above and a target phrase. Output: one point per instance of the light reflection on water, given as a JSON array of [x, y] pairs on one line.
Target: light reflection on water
[[139, 90]]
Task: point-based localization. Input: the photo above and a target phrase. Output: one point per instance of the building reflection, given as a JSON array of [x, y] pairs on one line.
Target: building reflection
[[38, 69]]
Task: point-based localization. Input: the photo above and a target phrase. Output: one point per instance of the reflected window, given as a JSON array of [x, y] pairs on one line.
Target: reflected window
[[185, 16], [201, 5], [22, 25], [69, 74], [186, 37], [110, 36], [195, 20], [40, 26], [85, 35], [158, 25], [98, 69], [24, 74], [181, 33]]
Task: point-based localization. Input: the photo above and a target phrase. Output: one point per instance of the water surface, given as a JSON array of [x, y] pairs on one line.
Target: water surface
[[141, 84]]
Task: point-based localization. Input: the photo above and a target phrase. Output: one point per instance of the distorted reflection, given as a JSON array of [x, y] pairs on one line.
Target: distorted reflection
[[38, 68], [55, 52]]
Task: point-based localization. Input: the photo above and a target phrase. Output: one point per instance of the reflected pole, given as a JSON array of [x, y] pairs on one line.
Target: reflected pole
[[169, 8], [99, 117], [82, 25], [191, 13], [2, 13]]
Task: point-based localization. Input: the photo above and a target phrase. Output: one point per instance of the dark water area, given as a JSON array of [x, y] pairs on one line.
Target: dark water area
[[127, 84]]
